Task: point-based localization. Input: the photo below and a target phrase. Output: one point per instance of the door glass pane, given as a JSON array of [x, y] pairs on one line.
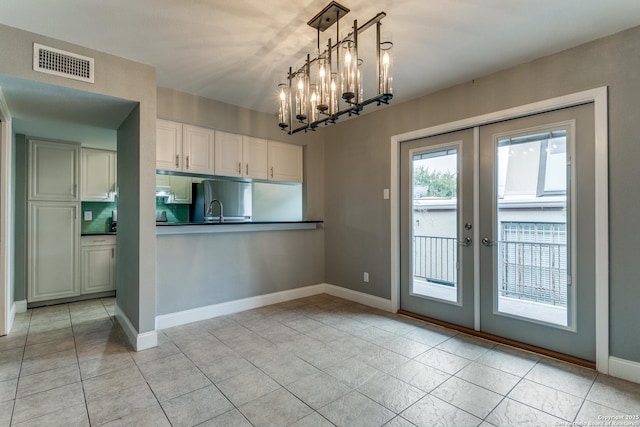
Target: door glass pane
[[532, 216], [435, 219]]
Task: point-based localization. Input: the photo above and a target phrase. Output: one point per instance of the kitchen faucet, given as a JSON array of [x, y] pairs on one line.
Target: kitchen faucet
[[210, 210]]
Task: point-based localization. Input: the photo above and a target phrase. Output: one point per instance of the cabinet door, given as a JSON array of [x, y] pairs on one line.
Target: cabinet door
[[285, 162], [53, 170], [98, 183], [228, 156], [53, 253], [180, 190], [198, 149], [254, 156], [168, 145], [98, 269]]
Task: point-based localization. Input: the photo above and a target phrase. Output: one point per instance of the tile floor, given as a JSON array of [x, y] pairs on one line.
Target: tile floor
[[317, 361]]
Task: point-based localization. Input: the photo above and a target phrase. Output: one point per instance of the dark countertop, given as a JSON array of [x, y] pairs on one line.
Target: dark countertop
[[166, 224], [94, 233]]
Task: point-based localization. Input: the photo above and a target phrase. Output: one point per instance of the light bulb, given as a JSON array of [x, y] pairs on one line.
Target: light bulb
[[385, 58], [282, 95], [347, 57]]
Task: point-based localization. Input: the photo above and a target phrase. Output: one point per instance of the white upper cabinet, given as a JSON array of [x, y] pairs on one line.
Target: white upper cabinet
[[198, 149], [178, 187], [285, 162], [98, 175], [168, 145], [228, 154], [241, 156], [53, 171], [254, 157]]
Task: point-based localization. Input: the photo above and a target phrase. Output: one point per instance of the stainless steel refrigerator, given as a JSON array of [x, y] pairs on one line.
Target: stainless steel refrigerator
[[234, 196]]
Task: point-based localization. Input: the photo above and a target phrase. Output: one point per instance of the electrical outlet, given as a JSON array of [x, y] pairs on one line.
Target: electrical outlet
[[366, 277], [88, 215], [385, 193]]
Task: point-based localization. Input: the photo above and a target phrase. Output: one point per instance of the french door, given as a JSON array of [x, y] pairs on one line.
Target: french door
[[497, 229]]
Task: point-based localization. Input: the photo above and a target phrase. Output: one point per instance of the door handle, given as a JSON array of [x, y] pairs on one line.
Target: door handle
[[466, 241], [488, 242]]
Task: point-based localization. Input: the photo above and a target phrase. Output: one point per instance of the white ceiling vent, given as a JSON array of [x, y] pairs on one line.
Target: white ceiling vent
[[60, 63]]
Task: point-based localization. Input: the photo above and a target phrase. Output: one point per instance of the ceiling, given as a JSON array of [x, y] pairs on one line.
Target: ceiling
[[238, 51]]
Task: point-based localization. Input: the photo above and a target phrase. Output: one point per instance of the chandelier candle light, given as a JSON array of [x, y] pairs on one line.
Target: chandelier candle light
[[336, 87]]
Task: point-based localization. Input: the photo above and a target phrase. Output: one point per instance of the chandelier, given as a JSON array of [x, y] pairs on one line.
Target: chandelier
[[330, 84]]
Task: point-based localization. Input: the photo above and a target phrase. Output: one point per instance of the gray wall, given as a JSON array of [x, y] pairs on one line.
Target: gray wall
[[20, 223], [120, 78], [215, 268], [196, 270], [357, 236]]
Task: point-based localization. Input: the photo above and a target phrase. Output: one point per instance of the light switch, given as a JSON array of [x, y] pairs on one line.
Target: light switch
[[385, 193], [88, 215]]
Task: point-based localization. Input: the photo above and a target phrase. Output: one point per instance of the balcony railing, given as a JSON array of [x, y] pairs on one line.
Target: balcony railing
[[533, 271], [435, 259], [528, 271]]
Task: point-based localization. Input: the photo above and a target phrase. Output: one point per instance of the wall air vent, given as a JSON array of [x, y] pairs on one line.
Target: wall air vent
[[60, 63]]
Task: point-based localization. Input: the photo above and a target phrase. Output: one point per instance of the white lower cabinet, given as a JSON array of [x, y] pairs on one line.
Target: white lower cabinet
[[54, 228], [98, 263]]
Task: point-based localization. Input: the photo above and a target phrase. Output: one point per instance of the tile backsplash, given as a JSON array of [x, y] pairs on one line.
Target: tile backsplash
[[101, 213], [175, 213]]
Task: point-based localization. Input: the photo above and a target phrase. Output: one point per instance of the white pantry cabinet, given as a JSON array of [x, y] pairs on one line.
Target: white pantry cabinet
[[240, 156], [98, 263], [98, 175], [284, 162], [53, 170], [184, 148], [54, 230]]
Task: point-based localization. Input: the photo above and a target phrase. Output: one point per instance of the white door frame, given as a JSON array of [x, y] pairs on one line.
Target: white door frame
[[599, 97], [7, 312]]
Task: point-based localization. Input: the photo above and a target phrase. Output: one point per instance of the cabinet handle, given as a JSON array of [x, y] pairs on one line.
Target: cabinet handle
[[75, 190], [99, 240], [247, 169], [113, 252], [177, 160], [187, 162], [239, 168], [271, 171]]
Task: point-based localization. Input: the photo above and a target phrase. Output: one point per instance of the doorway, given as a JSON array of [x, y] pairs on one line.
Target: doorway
[[533, 247]]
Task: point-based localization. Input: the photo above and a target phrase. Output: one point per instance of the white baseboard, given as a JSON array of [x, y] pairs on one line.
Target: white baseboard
[[624, 369], [138, 341], [360, 297], [15, 308], [165, 321], [21, 306]]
